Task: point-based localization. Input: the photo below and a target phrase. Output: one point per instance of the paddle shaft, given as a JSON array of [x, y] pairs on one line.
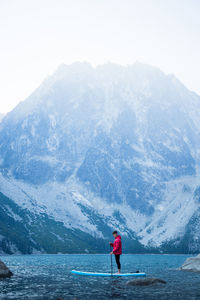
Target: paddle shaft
[[111, 264]]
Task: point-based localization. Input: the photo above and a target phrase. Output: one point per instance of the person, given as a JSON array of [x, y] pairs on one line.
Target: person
[[117, 249]]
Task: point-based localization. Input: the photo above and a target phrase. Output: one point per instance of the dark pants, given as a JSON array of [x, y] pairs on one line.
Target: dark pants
[[117, 258]]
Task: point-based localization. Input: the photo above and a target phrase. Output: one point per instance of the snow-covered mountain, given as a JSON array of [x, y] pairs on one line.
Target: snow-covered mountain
[[1, 116], [94, 149]]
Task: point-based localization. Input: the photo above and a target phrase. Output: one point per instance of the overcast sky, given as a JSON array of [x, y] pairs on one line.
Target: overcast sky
[[38, 35]]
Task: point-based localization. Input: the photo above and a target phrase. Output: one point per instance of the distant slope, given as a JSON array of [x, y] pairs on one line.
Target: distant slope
[[25, 231], [1, 116]]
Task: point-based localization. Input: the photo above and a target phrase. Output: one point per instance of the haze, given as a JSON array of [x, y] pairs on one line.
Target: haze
[[37, 36]]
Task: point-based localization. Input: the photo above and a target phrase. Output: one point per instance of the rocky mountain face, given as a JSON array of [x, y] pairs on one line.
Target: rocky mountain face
[[94, 149]]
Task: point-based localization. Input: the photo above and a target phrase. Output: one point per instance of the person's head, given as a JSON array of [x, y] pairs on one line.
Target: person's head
[[115, 233]]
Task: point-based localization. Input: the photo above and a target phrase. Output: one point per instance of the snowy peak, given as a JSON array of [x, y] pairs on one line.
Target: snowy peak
[[103, 147]]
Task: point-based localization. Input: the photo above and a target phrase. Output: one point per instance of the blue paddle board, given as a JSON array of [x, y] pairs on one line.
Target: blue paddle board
[[108, 274]]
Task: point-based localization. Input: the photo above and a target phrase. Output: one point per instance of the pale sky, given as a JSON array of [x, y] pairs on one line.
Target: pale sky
[[36, 36]]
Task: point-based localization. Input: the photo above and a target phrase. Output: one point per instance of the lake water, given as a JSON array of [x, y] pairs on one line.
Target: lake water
[[48, 277]]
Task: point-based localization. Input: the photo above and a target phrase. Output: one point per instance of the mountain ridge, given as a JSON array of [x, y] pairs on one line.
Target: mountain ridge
[[104, 148]]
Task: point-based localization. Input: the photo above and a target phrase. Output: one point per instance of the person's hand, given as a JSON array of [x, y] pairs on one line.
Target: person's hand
[[111, 253]]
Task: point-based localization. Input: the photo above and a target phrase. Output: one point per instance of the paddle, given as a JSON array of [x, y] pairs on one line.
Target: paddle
[[111, 264]]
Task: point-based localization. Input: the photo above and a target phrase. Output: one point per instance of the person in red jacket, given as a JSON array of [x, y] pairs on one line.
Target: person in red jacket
[[117, 249]]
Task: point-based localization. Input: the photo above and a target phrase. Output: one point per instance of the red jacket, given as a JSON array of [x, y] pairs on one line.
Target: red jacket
[[117, 245]]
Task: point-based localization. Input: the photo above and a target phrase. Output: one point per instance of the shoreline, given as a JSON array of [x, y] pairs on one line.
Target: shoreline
[[86, 254]]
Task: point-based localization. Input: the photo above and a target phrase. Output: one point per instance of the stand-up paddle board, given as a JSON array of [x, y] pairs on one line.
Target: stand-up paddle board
[[108, 274]]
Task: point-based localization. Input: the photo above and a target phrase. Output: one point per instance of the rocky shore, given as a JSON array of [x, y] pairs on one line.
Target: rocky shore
[[192, 264], [4, 271]]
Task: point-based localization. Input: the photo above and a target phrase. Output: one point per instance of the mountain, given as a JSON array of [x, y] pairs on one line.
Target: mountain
[[1, 117], [97, 149]]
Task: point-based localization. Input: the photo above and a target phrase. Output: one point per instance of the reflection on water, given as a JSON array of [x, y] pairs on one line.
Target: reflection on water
[[48, 277]]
